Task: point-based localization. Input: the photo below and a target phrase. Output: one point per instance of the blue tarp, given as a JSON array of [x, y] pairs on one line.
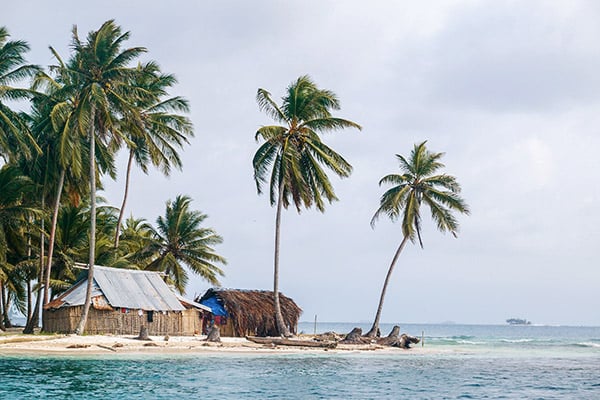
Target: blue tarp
[[215, 305]]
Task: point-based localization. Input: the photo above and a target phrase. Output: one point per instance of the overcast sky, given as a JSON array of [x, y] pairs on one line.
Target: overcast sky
[[509, 90]]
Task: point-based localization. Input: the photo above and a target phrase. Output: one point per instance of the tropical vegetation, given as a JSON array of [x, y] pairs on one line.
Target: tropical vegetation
[[103, 99], [292, 156], [83, 111], [419, 183]]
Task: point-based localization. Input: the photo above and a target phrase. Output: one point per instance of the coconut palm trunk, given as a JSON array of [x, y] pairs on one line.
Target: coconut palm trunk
[[419, 184], [29, 289], [33, 322], [375, 328], [59, 190], [2, 325], [281, 326], [29, 302], [122, 211], [92, 255]]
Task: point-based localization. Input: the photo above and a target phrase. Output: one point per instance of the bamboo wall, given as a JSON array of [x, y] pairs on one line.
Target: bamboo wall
[[176, 323]]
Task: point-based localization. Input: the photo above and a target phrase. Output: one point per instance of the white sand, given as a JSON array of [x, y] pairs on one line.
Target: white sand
[[19, 344]]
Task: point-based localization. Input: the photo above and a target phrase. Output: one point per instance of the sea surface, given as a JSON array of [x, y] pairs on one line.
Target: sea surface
[[469, 362]]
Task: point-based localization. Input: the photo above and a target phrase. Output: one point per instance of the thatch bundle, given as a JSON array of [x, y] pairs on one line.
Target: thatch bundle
[[252, 312]]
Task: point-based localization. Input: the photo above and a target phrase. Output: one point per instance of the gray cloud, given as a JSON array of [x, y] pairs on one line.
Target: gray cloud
[[508, 90]]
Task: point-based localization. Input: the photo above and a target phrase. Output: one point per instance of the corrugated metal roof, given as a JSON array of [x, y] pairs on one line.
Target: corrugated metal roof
[[75, 296], [127, 288], [136, 289]]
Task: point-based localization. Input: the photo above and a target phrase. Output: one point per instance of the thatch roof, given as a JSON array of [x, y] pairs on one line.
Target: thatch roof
[[253, 311]]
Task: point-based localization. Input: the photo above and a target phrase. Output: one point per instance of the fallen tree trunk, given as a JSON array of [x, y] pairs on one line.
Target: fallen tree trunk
[[394, 339], [407, 340], [276, 341], [355, 337]]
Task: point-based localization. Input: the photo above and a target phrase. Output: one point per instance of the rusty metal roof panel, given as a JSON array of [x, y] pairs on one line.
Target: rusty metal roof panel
[[75, 296]]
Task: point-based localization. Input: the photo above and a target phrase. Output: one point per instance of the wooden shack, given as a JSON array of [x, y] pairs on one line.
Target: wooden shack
[[122, 301], [247, 312]]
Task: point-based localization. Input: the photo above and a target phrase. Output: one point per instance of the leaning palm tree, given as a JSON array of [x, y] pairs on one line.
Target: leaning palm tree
[[100, 72], [162, 130], [15, 137], [295, 154], [420, 182], [180, 240]]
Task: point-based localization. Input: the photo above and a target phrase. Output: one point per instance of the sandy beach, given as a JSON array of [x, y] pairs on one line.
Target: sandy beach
[[19, 344]]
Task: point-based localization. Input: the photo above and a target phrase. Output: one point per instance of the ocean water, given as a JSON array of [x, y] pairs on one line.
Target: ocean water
[[473, 362]]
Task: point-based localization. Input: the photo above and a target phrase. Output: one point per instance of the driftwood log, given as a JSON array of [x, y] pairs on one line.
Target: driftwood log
[[355, 337], [143, 333], [394, 339], [407, 340], [214, 335], [278, 341], [329, 337], [106, 347]]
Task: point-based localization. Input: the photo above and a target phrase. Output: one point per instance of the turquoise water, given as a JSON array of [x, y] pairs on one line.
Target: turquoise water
[[474, 362]]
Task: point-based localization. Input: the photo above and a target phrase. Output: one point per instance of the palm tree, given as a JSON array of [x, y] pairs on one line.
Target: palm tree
[[420, 182], [181, 240], [161, 133], [294, 153], [15, 190], [135, 240], [55, 128], [100, 73], [15, 137]]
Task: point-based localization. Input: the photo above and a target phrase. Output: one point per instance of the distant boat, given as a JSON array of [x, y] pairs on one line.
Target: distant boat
[[517, 321]]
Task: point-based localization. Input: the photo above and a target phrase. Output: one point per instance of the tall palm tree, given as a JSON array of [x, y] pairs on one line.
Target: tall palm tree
[[100, 72], [162, 131], [15, 191], [15, 137], [420, 182], [55, 128], [295, 154], [180, 240]]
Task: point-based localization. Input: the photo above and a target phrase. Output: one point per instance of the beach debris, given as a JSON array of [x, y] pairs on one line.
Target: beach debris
[[106, 347], [150, 344], [279, 341], [355, 337], [394, 339], [143, 333], [78, 346], [328, 337], [214, 335], [166, 338], [118, 345], [407, 340]]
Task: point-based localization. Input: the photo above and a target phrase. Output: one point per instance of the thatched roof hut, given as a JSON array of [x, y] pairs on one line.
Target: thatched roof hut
[[249, 312]]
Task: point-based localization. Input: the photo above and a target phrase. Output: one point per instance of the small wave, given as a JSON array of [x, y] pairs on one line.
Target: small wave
[[449, 341], [588, 344], [469, 342], [462, 337], [516, 340]]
